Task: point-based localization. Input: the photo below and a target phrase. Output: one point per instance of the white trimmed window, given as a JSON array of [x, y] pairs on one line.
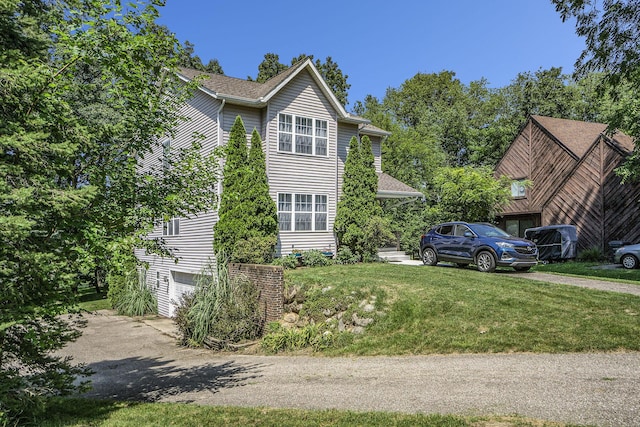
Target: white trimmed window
[[302, 212], [171, 227], [166, 152], [518, 188], [302, 135]]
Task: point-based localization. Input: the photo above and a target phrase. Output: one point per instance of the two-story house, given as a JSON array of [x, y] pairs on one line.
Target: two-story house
[[305, 133], [570, 168]]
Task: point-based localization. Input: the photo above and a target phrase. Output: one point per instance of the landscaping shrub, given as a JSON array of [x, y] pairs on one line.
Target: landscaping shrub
[[222, 309], [254, 250], [346, 256], [288, 262], [315, 258], [129, 293], [279, 338], [593, 254]]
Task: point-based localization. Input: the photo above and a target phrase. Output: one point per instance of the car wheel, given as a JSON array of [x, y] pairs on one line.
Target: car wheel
[[629, 261], [485, 262], [461, 264], [429, 257], [522, 268]]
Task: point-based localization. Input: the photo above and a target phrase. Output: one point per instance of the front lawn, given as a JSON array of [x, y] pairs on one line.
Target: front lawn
[[439, 310], [86, 412]]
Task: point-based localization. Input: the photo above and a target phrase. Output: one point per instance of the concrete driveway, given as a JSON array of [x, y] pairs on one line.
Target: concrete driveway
[[140, 360]]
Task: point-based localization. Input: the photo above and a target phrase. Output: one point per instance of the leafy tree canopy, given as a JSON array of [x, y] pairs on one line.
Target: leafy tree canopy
[[611, 29], [87, 91], [188, 59]]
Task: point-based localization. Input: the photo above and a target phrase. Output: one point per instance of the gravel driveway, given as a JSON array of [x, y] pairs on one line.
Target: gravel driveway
[[135, 360]]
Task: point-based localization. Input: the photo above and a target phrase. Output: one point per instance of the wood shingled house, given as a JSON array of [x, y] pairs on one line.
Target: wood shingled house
[[570, 166]]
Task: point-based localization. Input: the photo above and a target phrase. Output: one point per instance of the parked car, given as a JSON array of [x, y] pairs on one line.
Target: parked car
[[482, 244], [627, 255]]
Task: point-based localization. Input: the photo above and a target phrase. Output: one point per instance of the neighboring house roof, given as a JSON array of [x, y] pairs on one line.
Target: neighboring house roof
[[391, 188], [578, 136], [249, 93], [369, 129]]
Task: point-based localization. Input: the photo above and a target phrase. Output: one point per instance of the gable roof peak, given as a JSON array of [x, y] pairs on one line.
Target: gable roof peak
[[578, 136]]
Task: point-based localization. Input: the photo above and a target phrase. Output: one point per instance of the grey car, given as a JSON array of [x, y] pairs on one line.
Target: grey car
[[628, 256]]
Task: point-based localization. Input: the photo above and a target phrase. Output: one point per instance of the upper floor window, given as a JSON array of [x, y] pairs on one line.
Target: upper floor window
[[171, 227], [302, 212], [302, 135], [518, 188], [166, 152]]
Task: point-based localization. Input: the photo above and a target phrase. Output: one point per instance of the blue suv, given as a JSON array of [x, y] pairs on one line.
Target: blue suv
[[484, 245]]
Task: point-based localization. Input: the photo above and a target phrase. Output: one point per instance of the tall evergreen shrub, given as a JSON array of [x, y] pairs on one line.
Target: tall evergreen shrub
[[359, 224], [247, 228]]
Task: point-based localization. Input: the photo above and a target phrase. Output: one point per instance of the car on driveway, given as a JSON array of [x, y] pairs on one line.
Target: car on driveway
[[628, 256], [482, 244]]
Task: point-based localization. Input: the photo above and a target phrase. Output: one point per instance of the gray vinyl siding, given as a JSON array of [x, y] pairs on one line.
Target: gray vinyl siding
[[303, 174], [193, 247], [376, 147]]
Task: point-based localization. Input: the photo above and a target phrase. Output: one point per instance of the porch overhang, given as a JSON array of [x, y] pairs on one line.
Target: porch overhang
[[391, 188]]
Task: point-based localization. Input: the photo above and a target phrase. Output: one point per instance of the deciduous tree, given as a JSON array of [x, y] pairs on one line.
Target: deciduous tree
[[611, 29], [87, 89]]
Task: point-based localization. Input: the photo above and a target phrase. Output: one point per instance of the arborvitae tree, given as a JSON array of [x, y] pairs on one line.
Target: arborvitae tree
[[232, 224], [359, 224], [261, 211]]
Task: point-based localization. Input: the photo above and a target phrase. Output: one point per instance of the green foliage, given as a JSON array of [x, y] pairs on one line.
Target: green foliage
[[269, 67], [130, 295], [188, 59], [88, 88], [288, 262], [611, 30], [467, 194], [279, 338], [345, 256], [222, 308], [593, 254], [248, 226], [315, 258], [357, 218]]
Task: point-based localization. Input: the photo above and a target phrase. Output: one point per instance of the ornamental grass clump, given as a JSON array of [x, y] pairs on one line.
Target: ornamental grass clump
[[130, 295], [223, 310]]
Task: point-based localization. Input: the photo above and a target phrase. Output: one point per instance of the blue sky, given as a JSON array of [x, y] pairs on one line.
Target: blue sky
[[381, 43]]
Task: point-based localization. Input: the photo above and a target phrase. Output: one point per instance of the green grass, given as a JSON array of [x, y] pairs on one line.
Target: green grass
[[592, 270], [90, 300], [440, 310], [86, 412]]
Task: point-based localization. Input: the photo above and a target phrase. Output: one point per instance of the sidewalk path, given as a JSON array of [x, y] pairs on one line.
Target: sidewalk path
[[136, 361]]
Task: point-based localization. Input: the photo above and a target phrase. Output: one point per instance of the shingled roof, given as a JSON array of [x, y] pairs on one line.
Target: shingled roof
[[391, 188], [256, 94], [578, 136]]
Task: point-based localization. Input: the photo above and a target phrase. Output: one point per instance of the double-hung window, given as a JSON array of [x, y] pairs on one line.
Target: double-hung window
[[171, 227], [302, 135], [302, 212]]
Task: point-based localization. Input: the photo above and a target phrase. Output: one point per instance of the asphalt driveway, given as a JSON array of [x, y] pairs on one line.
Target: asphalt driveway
[[140, 360]]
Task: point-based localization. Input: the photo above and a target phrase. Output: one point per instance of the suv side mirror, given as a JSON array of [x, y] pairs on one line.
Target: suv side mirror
[[468, 234]]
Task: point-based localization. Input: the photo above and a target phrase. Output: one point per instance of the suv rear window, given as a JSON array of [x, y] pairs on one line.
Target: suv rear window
[[445, 230]]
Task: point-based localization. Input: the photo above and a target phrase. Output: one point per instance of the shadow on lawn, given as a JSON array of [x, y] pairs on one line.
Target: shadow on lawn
[[152, 379]]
